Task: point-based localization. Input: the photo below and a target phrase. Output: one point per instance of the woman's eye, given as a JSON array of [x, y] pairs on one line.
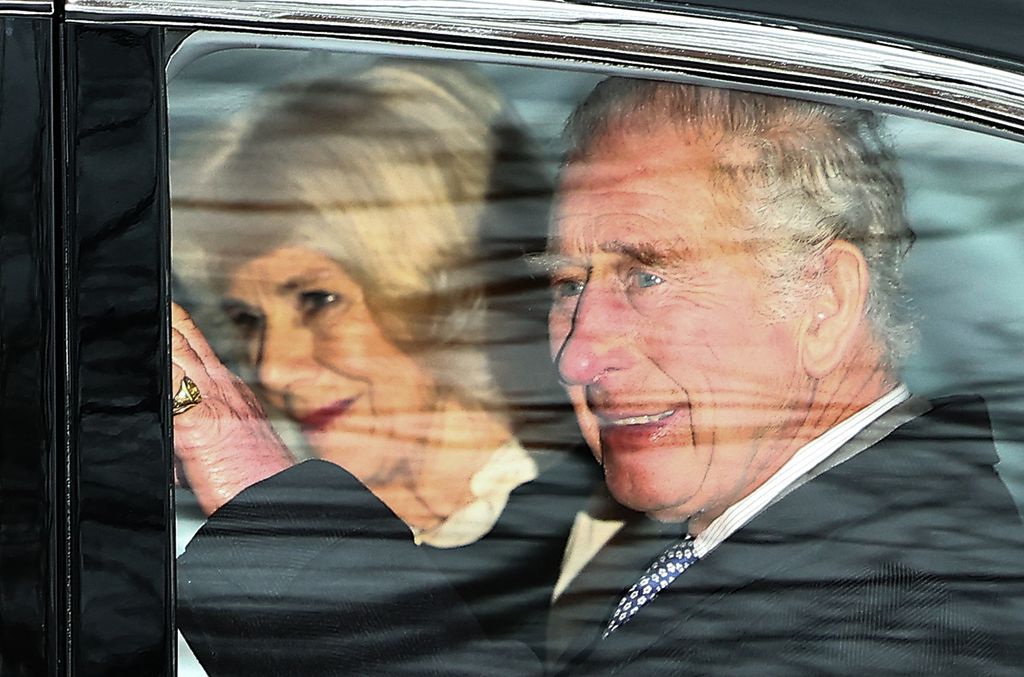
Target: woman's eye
[[562, 289], [313, 301], [643, 279], [247, 323]]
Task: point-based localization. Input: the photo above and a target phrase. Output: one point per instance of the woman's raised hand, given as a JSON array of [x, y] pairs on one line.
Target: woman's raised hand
[[223, 442]]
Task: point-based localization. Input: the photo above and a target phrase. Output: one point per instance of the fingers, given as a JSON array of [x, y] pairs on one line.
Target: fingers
[[177, 374], [192, 356], [179, 314], [183, 323], [185, 361]]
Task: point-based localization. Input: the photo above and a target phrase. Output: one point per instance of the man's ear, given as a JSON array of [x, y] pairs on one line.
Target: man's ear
[[836, 315]]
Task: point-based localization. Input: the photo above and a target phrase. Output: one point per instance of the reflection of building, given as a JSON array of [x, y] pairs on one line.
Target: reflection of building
[[964, 271]]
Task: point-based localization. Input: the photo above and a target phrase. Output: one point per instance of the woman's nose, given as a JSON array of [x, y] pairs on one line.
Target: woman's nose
[[285, 359]]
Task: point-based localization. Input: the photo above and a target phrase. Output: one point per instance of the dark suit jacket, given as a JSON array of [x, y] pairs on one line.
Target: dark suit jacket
[[307, 573], [905, 559]]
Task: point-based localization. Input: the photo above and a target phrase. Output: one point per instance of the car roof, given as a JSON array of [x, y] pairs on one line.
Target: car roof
[[989, 30]]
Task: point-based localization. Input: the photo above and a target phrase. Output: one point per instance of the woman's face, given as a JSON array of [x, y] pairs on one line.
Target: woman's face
[[319, 355]]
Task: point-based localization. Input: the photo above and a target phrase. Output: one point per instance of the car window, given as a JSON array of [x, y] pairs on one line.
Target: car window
[[510, 305]]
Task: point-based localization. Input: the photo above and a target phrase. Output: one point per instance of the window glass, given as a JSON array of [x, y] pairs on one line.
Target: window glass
[[486, 366]]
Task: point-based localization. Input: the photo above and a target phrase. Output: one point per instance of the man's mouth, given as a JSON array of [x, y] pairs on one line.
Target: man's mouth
[[609, 421]]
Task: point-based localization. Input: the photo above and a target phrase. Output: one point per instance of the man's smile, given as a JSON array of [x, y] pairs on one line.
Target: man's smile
[[609, 420]]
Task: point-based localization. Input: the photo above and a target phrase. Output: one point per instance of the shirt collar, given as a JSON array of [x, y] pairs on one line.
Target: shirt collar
[[508, 467], [794, 470]]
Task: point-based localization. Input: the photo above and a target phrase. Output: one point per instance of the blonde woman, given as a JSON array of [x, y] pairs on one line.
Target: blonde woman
[[351, 235]]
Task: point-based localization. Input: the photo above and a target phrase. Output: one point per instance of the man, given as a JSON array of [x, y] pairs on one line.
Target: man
[[727, 323]]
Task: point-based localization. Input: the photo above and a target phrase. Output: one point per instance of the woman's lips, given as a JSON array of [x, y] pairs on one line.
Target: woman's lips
[[320, 419]]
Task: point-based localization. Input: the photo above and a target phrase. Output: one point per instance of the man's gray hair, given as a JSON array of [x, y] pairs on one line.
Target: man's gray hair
[[819, 173]]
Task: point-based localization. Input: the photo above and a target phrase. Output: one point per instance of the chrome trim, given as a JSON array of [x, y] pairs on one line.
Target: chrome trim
[[26, 7], [779, 57]]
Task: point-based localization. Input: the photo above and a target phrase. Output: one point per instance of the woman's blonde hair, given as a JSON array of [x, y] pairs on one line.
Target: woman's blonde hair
[[404, 174]]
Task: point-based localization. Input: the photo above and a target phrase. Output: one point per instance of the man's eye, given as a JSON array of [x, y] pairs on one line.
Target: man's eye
[[562, 289], [313, 301], [643, 279]]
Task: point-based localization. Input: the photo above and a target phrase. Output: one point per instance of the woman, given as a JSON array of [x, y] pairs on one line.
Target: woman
[[355, 233]]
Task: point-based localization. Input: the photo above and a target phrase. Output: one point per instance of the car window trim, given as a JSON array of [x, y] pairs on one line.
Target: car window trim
[[26, 8], [785, 60]]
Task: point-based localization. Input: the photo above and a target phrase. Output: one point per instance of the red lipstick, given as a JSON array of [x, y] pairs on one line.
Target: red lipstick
[[320, 419]]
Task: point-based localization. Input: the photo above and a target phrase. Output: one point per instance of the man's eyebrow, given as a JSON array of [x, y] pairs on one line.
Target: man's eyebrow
[[644, 253], [546, 263], [647, 253]]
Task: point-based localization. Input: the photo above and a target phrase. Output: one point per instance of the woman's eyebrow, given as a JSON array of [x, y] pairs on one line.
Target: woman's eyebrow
[[296, 282], [229, 305]]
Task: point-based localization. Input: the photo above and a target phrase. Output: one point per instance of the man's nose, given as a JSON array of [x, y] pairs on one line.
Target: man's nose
[[597, 342]]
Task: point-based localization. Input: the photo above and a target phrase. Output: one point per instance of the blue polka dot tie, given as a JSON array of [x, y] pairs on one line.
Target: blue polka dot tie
[[676, 559]]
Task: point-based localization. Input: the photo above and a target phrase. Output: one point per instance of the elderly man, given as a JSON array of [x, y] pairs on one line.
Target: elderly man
[[727, 323]]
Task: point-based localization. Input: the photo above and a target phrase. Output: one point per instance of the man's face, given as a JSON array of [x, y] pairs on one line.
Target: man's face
[[660, 327]]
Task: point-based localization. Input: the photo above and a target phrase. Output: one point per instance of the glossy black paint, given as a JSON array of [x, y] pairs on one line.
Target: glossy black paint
[[119, 357], [981, 30], [28, 417]]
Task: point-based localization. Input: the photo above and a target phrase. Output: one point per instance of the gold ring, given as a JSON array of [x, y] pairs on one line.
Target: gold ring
[[188, 396]]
